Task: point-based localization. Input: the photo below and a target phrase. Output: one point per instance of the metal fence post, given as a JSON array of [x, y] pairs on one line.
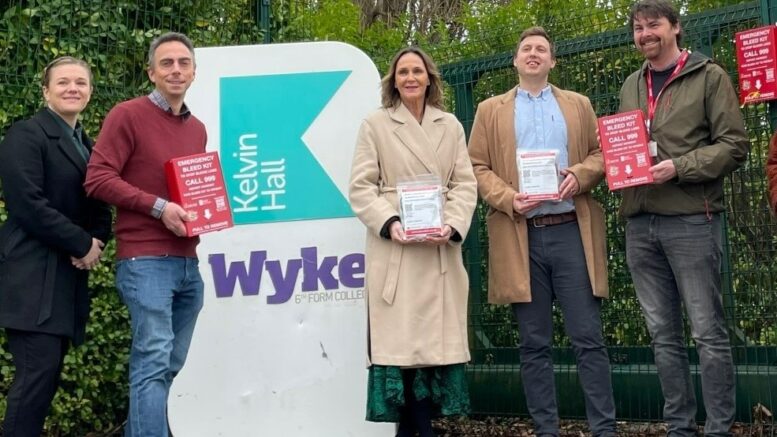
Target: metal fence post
[[769, 16], [463, 86], [263, 19]]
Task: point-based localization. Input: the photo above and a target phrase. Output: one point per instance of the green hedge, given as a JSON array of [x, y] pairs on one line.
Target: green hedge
[[113, 37]]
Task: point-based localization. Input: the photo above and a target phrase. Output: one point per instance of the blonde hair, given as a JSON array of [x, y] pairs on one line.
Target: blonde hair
[[63, 60]]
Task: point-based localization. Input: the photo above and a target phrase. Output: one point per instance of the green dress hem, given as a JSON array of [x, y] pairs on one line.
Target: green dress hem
[[446, 386]]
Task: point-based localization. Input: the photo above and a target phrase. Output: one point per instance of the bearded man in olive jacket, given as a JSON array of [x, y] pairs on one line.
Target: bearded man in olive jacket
[[673, 226]]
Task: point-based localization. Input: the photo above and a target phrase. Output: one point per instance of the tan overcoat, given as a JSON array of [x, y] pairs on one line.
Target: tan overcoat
[[492, 150], [416, 294]]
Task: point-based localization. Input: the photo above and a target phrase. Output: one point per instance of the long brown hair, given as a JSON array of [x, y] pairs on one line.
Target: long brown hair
[[434, 95]]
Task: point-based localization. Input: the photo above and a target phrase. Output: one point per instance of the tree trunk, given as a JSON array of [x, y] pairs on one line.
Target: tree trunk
[[386, 11]]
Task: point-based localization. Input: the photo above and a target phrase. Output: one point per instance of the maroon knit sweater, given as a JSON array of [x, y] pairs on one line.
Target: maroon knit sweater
[[126, 169]]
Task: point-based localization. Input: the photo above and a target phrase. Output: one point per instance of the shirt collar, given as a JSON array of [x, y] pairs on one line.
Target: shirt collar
[[668, 67], [544, 94], [158, 99], [66, 127]]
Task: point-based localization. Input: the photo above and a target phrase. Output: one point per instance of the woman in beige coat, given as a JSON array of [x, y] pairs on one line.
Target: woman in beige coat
[[416, 288]]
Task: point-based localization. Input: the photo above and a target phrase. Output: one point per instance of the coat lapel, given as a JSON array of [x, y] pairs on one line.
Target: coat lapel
[[416, 138], [69, 149], [572, 120], [65, 144], [505, 124], [434, 126]]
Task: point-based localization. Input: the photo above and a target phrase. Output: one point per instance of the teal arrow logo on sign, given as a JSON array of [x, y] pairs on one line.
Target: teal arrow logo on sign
[[270, 173]]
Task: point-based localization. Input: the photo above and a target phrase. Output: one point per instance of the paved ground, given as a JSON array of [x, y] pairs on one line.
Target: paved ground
[[511, 427]]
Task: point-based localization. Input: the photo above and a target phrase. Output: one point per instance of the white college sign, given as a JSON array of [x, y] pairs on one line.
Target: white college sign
[[280, 345]]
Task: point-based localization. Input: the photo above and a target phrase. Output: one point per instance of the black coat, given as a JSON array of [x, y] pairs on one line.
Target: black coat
[[50, 219]]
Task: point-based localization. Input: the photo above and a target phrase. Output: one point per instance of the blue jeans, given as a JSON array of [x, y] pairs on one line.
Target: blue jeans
[[558, 270], [675, 262], [164, 295]]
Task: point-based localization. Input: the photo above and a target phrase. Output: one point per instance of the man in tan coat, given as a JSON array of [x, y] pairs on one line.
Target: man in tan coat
[[541, 250]]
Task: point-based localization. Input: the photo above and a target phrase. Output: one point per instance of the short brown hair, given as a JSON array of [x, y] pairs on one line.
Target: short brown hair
[[63, 60], [537, 31], [169, 37], [434, 96], [656, 9]]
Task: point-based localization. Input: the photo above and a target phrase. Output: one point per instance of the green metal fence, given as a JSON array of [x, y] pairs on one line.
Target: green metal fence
[[596, 65]]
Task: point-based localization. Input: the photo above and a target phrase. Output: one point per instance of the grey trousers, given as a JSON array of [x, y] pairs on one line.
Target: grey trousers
[[558, 271], [675, 263]]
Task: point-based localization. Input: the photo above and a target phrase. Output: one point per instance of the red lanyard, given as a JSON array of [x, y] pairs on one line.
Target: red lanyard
[[653, 101]]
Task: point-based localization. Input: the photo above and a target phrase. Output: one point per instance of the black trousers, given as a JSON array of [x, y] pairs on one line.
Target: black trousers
[[416, 415], [38, 361]]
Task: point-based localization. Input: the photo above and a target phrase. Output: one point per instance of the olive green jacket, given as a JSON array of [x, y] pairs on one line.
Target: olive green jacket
[[698, 125]]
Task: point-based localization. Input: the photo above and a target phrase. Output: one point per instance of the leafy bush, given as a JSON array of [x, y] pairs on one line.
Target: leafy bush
[[113, 37]]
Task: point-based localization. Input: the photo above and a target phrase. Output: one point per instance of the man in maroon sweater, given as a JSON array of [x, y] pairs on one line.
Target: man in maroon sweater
[[157, 272]]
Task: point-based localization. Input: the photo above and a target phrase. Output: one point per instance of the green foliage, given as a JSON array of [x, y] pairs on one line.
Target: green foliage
[[113, 37], [94, 383], [334, 20], [93, 394]]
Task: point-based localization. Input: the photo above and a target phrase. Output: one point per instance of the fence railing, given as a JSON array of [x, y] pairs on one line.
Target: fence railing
[[596, 65]]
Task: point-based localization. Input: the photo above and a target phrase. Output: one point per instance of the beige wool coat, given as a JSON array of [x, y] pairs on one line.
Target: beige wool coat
[[492, 150], [416, 294]]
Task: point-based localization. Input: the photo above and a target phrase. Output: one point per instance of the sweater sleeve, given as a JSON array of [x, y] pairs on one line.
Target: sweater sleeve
[[113, 149]]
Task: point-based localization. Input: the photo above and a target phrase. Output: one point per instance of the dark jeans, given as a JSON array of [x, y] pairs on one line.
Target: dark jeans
[[38, 361], [558, 270], [675, 262]]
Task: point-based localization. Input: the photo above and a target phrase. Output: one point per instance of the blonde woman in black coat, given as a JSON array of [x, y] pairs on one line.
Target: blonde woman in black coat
[[53, 236]]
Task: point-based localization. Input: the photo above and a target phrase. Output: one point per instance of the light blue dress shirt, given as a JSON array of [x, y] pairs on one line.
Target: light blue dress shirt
[[540, 125]]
